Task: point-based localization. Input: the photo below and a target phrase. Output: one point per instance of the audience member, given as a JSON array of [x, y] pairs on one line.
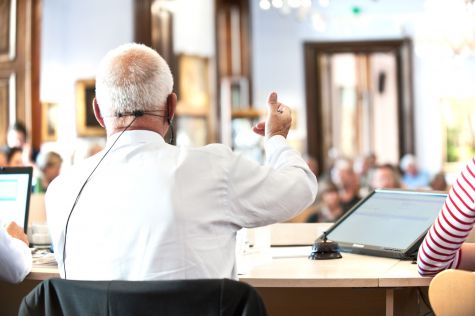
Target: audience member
[[3, 156], [156, 211], [49, 164], [15, 256], [328, 208], [364, 168], [17, 136], [444, 247], [347, 182], [14, 157], [413, 177], [438, 182], [386, 177]]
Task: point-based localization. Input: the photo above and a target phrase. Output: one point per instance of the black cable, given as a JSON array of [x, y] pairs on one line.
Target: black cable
[[425, 302], [136, 114]]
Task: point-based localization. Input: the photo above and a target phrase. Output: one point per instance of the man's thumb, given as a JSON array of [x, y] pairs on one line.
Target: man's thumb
[[272, 100]]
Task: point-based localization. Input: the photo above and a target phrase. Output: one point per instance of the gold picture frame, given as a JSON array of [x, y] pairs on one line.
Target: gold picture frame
[[86, 123], [49, 121], [193, 85]]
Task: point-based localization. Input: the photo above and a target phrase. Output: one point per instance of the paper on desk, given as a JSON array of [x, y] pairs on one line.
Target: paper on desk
[[291, 252], [43, 257]]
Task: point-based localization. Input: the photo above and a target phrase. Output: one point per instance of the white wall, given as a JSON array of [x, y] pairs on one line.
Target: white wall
[[77, 34], [278, 61]]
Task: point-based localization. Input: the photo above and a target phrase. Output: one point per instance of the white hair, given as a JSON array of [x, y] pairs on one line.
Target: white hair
[[407, 160], [132, 77]]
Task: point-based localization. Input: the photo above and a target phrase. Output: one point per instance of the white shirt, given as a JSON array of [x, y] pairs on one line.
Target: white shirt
[[15, 258], [155, 211]]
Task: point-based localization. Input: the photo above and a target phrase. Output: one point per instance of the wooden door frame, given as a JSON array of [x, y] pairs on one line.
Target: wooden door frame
[[315, 118]]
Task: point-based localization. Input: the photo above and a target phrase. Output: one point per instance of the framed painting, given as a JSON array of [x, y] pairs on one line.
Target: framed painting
[[49, 121], [193, 84], [86, 123]]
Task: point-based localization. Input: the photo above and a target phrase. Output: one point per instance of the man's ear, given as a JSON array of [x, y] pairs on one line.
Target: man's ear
[[171, 106], [97, 113]]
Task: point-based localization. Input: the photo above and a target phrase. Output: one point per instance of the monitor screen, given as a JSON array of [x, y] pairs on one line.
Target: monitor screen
[[15, 190], [389, 219]]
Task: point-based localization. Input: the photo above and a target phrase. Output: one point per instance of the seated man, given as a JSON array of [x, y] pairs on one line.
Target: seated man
[[142, 209], [385, 177], [15, 256]]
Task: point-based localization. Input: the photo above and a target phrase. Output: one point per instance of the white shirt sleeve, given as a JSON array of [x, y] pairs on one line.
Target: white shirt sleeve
[[262, 195], [15, 258]]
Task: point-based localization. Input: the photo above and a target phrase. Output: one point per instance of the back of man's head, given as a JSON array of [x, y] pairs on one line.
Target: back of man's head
[[132, 77]]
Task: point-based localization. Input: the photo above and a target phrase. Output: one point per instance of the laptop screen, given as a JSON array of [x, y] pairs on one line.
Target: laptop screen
[[15, 190], [389, 221]]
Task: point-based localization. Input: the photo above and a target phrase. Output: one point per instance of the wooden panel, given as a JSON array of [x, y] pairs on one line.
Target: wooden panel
[[5, 95], [7, 29], [24, 46]]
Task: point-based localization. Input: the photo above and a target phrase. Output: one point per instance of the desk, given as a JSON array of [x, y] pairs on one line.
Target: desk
[[353, 285]]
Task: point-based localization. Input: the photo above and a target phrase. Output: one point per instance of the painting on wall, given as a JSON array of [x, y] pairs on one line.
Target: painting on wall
[[193, 84], [49, 121], [86, 123]]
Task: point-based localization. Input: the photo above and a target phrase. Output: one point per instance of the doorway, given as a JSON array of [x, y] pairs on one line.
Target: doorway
[[359, 100]]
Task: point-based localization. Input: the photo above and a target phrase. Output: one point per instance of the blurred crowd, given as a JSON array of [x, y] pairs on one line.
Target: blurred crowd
[[348, 181], [46, 163]]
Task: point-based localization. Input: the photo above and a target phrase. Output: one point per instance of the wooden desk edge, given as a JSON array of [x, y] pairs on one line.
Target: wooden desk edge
[[311, 283]]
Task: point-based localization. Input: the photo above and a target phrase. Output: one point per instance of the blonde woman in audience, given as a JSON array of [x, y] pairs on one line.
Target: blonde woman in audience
[[49, 164]]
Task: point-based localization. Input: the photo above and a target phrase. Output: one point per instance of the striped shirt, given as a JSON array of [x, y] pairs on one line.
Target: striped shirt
[[441, 247]]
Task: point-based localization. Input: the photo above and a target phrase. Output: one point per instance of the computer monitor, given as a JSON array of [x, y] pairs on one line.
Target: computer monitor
[[15, 190], [388, 223]]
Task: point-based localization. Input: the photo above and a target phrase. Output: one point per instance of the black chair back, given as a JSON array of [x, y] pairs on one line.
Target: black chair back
[[221, 297]]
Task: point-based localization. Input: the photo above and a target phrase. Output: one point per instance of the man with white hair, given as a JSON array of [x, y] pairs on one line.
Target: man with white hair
[[142, 209], [413, 177]]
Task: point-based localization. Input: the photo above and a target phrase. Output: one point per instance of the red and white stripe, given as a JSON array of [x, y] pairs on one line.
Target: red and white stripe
[[441, 247]]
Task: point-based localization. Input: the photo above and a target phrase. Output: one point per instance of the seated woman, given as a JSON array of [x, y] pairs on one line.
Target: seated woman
[[443, 246], [328, 208], [14, 157]]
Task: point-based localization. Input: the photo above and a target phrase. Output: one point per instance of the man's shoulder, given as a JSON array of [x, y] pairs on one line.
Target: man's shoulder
[[215, 150], [70, 174]]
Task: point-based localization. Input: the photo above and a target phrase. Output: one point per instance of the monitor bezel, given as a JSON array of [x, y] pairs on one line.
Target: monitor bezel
[[22, 170]]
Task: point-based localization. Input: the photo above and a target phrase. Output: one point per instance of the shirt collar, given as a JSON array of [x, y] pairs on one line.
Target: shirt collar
[[135, 137]]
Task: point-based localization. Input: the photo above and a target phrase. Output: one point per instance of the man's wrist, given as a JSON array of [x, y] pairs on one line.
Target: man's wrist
[[283, 134]]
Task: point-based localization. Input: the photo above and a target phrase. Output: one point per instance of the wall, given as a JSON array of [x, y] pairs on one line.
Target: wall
[[278, 61], [77, 34]]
